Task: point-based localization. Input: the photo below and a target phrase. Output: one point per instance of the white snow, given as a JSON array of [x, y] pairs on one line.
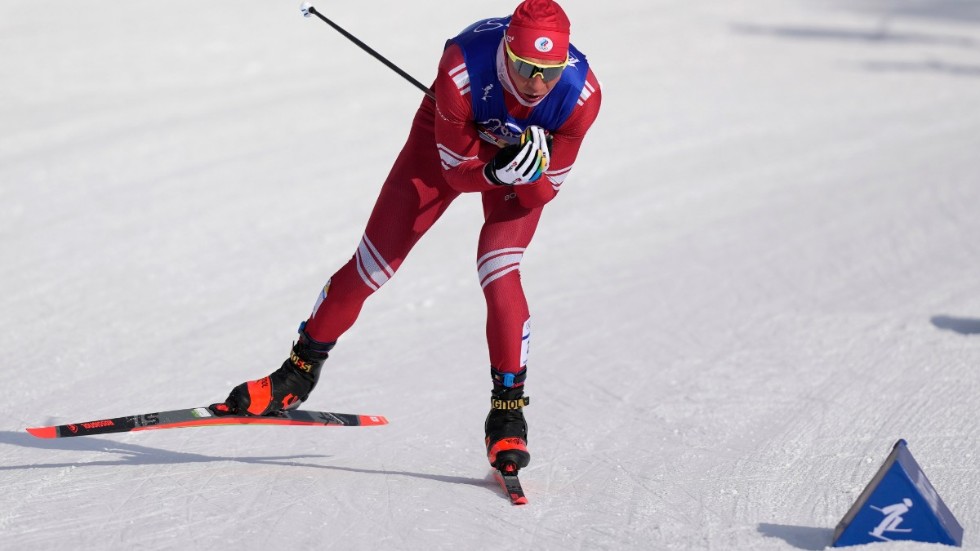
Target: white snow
[[762, 272]]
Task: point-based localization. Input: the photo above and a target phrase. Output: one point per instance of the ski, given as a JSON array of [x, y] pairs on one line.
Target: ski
[[512, 486], [203, 417]]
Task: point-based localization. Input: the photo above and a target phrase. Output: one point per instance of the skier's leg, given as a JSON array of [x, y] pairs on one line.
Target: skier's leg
[[405, 210], [412, 198], [506, 233]]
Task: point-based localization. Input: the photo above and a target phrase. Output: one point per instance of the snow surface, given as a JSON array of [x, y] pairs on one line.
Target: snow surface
[[762, 272]]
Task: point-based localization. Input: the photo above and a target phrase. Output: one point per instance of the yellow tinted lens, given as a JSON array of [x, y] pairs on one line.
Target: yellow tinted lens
[[528, 69]]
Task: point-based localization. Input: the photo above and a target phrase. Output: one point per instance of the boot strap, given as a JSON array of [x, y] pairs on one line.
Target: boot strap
[[497, 403], [508, 380], [300, 363]]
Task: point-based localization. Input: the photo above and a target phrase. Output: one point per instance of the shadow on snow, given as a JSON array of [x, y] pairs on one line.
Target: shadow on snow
[[963, 326], [801, 537], [133, 455], [882, 33]]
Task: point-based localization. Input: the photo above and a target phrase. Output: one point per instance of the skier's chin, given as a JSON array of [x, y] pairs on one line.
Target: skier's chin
[[531, 98]]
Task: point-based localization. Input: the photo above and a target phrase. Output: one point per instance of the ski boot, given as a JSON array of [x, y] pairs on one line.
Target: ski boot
[[505, 427], [285, 388]]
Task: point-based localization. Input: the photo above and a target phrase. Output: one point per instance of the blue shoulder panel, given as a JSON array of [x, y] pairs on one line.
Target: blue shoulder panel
[[480, 43]]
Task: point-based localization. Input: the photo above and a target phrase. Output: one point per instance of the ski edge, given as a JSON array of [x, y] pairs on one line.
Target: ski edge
[[188, 418], [234, 420]]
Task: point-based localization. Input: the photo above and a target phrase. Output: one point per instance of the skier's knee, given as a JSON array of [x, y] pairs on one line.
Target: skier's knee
[[371, 266], [498, 263]]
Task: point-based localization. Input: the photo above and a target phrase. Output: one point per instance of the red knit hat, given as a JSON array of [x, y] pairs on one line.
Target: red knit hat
[[539, 29]]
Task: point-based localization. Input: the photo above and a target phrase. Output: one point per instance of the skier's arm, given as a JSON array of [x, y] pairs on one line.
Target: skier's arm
[[564, 148], [462, 152]]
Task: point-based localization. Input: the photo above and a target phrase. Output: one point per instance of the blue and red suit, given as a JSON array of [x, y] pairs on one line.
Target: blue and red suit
[[443, 157]]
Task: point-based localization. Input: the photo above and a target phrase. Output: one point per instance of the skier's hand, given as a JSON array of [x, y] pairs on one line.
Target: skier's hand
[[521, 163]]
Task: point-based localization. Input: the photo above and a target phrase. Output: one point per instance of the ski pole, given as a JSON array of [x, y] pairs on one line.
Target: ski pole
[[307, 9]]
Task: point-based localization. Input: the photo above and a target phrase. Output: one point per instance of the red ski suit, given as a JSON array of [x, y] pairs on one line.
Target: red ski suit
[[443, 157]]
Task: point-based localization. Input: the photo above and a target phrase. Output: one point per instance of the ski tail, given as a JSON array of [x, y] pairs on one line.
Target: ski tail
[[511, 484]]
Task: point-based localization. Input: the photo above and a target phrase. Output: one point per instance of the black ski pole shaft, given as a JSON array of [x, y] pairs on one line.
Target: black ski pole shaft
[[308, 9]]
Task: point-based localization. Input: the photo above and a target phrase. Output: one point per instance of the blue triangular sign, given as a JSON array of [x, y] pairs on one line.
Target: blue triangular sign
[[899, 504]]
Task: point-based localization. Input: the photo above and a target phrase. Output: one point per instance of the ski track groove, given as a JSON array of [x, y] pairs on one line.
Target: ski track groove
[[35, 491], [134, 489], [387, 480]]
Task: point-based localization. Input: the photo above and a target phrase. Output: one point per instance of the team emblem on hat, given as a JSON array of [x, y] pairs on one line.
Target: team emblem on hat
[[543, 44]]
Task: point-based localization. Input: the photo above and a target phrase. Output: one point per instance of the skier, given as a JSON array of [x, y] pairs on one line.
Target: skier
[[513, 102]]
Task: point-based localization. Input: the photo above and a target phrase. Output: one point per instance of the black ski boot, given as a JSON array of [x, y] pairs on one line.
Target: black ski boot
[[285, 388], [506, 429]]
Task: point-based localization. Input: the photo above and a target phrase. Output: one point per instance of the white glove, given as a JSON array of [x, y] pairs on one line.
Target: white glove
[[521, 163]]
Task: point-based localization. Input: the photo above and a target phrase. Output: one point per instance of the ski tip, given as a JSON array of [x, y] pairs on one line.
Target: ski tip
[[518, 500], [371, 420], [43, 432]]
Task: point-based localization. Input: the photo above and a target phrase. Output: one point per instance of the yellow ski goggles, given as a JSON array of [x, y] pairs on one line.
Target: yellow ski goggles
[[527, 69]]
